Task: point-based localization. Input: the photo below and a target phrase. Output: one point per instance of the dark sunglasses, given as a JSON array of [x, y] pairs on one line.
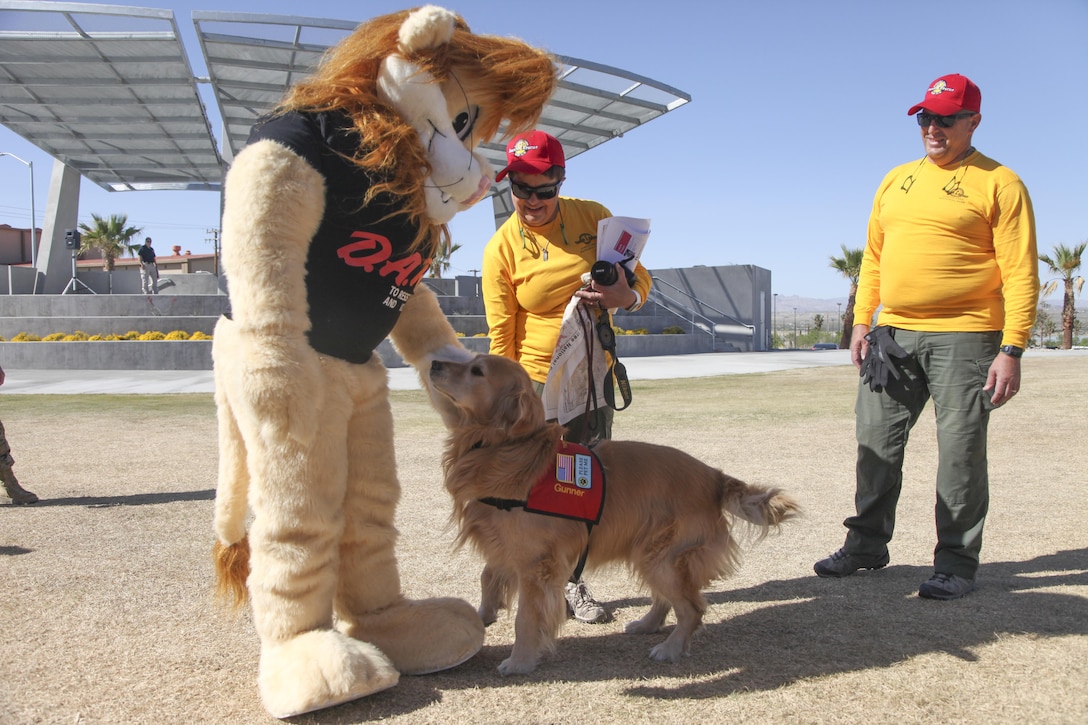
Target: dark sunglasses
[[543, 193], [924, 119]]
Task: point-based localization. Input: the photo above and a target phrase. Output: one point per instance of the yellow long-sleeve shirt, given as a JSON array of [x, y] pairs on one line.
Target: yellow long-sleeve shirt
[[951, 249], [529, 276]]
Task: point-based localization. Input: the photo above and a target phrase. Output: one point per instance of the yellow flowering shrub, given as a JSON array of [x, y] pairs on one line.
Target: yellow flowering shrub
[[80, 336]]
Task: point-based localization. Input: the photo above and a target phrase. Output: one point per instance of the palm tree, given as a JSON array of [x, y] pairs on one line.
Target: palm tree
[[441, 261], [849, 266], [111, 236], [1064, 263]]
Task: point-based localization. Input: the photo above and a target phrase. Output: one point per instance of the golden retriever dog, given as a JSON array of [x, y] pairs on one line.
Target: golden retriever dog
[[666, 515]]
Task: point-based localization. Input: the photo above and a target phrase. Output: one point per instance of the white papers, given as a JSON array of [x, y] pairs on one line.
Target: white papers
[[567, 387], [622, 239], [619, 239]]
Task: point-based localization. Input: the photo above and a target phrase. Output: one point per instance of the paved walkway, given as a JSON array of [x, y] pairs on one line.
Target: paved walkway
[[68, 382]]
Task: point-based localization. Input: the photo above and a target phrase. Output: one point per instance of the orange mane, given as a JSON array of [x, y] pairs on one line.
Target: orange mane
[[506, 78]]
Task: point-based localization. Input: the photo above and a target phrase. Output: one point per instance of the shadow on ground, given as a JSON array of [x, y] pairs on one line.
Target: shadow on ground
[[138, 499], [802, 628]]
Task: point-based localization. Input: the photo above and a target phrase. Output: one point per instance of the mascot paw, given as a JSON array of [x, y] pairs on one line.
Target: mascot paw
[[449, 353], [423, 636], [428, 27], [454, 353], [320, 669]]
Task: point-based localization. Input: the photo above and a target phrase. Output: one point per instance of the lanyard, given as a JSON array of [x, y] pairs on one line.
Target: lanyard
[[616, 371]]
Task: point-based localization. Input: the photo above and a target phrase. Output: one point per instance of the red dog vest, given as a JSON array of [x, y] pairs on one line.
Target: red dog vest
[[572, 487]]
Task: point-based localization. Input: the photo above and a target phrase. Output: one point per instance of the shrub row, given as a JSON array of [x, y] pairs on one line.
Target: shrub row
[[671, 330], [80, 336]]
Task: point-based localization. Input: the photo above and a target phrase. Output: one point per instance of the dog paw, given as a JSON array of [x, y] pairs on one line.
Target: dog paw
[[666, 652], [509, 667], [640, 626]]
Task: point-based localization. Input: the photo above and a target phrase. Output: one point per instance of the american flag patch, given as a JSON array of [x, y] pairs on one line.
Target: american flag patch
[[564, 468], [572, 487]]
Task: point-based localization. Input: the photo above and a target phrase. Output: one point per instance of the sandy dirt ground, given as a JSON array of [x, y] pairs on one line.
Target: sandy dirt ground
[[106, 614]]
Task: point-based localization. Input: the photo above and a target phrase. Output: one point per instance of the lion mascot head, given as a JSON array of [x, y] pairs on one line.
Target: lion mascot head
[[424, 91]]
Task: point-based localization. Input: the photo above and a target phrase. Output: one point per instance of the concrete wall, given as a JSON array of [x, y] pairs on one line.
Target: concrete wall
[[116, 314], [117, 355], [728, 295], [116, 305], [197, 354], [194, 302], [20, 281]]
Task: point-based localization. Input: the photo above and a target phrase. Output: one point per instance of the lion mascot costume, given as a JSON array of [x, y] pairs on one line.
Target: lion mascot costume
[[333, 214]]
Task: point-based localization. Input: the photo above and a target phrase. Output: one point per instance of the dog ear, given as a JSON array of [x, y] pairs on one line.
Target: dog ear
[[524, 413]]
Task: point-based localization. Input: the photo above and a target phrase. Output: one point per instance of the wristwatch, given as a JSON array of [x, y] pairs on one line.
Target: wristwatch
[[1012, 350]]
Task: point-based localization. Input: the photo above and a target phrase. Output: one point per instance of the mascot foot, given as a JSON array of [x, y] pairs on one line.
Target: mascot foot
[[423, 636], [320, 669]]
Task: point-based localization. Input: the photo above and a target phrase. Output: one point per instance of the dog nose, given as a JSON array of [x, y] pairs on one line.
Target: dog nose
[[436, 365]]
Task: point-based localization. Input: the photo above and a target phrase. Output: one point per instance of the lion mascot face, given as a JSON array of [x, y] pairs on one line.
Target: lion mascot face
[[332, 215]]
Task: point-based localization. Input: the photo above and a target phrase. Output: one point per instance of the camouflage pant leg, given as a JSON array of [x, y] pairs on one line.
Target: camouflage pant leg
[[6, 461]]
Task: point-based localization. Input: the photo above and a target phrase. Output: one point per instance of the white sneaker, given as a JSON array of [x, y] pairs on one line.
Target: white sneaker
[[582, 605]]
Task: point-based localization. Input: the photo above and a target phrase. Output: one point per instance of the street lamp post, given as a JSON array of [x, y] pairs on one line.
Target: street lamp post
[[774, 317], [839, 317], [795, 328], [33, 215]]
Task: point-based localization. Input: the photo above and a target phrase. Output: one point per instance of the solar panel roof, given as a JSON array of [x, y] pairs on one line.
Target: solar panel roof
[[110, 90]]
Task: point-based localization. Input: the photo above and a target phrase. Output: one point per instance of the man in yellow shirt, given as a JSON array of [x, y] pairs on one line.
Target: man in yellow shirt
[[532, 267], [951, 262]]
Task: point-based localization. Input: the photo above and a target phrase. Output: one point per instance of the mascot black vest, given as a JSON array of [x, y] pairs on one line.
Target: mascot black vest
[[358, 272]]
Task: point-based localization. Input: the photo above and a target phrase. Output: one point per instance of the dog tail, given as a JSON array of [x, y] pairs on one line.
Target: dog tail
[[764, 508]]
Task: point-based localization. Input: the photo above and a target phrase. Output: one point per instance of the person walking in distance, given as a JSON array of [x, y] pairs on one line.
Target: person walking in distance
[[951, 262], [149, 269]]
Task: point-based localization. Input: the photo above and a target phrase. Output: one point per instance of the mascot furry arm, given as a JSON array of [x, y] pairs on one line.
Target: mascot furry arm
[[332, 213]]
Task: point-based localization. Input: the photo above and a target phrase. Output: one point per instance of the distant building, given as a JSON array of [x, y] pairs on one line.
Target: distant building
[[183, 263], [15, 244]]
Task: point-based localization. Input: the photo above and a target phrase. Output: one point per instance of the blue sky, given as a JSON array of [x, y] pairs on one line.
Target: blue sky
[[798, 109]]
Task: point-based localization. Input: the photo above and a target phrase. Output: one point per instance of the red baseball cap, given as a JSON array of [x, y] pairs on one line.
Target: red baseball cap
[[532, 153], [949, 95]]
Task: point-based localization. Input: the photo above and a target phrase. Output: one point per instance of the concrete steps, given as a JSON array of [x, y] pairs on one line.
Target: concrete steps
[[117, 314]]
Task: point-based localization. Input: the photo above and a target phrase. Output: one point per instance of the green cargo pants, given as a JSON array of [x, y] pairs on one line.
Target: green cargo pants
[[950, 368]]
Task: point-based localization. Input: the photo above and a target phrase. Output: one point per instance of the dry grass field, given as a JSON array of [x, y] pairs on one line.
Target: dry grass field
[[106, 613]]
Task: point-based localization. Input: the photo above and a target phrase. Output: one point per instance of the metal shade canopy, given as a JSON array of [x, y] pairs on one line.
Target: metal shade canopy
[[109, 90], [253, 59]]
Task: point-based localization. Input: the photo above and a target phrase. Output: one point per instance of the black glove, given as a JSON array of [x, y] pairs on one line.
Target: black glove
[[881, 360]]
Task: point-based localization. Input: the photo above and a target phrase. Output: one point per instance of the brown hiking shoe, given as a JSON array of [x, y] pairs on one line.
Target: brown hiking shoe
[[19, 495]]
